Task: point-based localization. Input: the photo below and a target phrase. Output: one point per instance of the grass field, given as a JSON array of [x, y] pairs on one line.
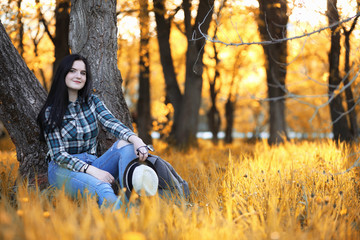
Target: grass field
[[244, 191]]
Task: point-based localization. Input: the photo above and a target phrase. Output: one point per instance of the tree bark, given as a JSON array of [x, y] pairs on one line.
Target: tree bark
[[272, 25], [21, 98], [144, 123], [340, 126], [93, 34]]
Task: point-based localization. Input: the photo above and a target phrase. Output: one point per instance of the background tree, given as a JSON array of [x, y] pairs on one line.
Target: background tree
[[213, 114], [163, 29], [186, 105], [272, 22], [350, 100], [144, 123], [61, 37], [340, 126], [20, 26]]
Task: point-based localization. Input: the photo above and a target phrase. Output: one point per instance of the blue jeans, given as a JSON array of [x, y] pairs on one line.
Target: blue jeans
[[113, 161]]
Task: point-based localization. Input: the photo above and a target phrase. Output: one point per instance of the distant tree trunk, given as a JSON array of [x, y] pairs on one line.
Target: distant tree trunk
[[231, 100], [213, 114], [214, 119], [20, 26], [36, 41], [93, 35], [144, 123], [272, 23], [21, 98], [61, 39], [187, 126], [341, 129], [229, 115], [348, 91], [173, 92]]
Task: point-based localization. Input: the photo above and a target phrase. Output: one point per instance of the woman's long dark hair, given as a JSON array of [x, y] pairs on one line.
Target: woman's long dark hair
[[58, 98]]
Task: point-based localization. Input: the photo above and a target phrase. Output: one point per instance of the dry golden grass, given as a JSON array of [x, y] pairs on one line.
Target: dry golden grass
[[243, 191]]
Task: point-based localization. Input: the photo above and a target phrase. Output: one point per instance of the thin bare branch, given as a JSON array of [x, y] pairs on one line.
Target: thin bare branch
[[272, 41]]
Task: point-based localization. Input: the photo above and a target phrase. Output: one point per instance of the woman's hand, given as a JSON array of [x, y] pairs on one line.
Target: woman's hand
[[100, 174], [140, 147]]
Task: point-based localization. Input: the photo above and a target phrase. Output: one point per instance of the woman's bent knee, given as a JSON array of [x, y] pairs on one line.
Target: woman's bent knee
[[122, 143]]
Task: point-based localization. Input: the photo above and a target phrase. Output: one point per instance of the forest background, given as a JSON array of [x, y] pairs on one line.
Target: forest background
[[234, 72]]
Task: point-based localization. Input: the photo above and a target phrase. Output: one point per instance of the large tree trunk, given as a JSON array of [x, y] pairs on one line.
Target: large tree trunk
[[341, 129], [272, 24], [144, 123], [93, 34], [21, 98], [189, 113], [61, 39]]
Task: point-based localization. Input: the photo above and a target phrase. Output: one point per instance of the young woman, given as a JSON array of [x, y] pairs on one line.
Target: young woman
[[69, 124]]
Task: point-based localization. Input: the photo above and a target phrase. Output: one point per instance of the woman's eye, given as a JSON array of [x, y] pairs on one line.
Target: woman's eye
[[72, 70], [83, 73]]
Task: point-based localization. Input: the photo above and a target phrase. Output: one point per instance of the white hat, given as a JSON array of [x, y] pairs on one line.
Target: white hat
[[145, 179], [140, 176]]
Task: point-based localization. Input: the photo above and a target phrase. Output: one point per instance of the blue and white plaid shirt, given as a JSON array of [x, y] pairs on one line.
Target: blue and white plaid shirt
[[79, 132]]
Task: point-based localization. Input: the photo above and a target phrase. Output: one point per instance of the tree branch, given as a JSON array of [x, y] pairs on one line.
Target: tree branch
[[272, 41]]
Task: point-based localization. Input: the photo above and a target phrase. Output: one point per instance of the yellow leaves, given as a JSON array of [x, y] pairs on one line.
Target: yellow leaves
[[318, 200], [20, 212], [24, 199], [160, 111], [325, 76], [46, 214], [274, 5], [343, 211]]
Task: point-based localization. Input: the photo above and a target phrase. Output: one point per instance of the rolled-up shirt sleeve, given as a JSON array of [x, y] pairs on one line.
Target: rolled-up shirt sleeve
[[58, 153], [110, 122]]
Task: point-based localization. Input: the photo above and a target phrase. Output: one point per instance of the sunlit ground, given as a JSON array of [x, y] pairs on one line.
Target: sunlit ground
[[244, 191]]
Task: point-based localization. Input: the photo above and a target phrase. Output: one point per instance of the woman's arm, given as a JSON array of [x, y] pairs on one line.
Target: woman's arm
[[59, 154], [64, 159], [116, 127], [109, 121], [140, 147]]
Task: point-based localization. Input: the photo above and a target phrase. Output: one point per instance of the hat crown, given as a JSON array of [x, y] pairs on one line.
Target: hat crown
[[144, 178]]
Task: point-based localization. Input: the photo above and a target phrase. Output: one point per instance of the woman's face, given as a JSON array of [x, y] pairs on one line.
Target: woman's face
[[76, 78]]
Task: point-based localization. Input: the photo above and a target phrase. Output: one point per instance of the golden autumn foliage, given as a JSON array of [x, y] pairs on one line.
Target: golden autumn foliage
[[244, 191]]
